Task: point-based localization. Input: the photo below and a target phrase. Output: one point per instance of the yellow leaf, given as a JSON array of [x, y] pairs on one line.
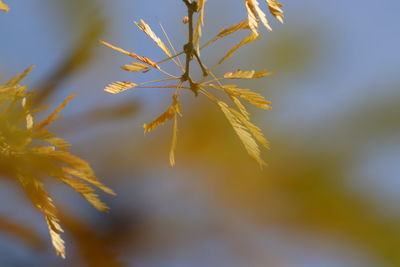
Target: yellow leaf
[[250, 38], [35, 162], [58, 143], [134, 67], [167, 115], [200, 23], [86, 191], [252, 16], [145, 60], [275, 9], [254, 11], [246, 94], [42, 201], [75, 166], [118, 87], [4, 7], [147, 30], [82, 173], [241, 107], [174, 141], [55, 230], [243, 25], [243, 133], [246, 74], [254, 130], [53, 116], [17, 79]]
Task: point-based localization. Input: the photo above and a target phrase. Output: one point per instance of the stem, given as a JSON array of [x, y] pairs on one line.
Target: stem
[[189, 49]]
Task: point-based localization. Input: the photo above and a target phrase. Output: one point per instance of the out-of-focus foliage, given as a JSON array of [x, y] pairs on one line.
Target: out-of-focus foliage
[[30, 153], [21, 231], [311, 196], [74, 61], [4, 7], [91, 247]]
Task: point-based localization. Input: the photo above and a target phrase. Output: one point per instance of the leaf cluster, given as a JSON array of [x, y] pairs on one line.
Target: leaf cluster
[[236, 112], [30, 154]]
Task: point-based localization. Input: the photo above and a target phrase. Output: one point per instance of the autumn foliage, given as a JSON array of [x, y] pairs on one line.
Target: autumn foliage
[[30, 154]]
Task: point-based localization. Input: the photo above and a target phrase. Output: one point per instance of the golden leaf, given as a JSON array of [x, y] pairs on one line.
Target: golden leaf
[[247, 74], [243, 133], [118, 87], [4, 7], [240, 106], [27, 163], [246, 94], [261, 14], [174, 141], [275, 9], [145, 60], [79, 168], [254, 11], [53, 116], [254, 129], [83, 174], [200, 23], [42, 201], [86, 191], [18, 78], [243, 25], [251, 16], [147, 30], [250, 38], [134, 67], [58, 143], [167, 115]]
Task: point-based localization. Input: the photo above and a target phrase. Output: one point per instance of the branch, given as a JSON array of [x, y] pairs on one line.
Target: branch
[[189, 49]]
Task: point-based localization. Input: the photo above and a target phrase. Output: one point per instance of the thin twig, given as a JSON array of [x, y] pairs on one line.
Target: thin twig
[[189, 48]]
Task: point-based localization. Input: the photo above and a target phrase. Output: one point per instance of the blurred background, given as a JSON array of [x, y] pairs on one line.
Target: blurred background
[[329, 197]]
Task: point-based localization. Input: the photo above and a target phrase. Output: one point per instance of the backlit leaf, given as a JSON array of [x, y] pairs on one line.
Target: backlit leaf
[[174, 141], [167, 115], [147, 30], [118, 87], [250, 38], [254, 11], [134, 67], [243, 132], [247, 74], [145, 60], [275, 9]]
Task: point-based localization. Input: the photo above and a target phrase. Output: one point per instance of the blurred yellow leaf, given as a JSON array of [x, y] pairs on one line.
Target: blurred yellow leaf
[[247, 74], [4, 7], [25, 158]]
